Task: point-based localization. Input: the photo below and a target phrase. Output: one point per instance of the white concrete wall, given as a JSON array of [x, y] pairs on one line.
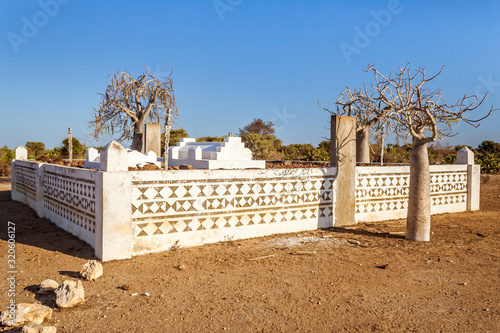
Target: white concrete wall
[[66, 196], [382, 192], [194, 207], [122, 213], [69, 198]]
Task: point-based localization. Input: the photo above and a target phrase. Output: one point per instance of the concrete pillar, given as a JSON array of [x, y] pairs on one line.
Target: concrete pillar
[[113, 216], [70, 144], [343, 157], [152, 138], [21, 153], [465, 156], [473, 186], [114, 157]]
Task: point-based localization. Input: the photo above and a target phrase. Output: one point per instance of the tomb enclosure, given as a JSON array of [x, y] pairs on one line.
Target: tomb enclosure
[[123, 213]]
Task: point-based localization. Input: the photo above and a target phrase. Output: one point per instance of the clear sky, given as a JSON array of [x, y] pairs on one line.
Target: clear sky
[[236, 60]]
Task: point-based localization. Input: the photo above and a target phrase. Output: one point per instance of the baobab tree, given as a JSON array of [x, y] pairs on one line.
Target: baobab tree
[[421, 114], [368, 109], [129, 103]]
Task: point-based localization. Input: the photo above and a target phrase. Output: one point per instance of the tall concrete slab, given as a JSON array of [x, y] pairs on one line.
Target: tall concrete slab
[[343, 157], [152, 138]]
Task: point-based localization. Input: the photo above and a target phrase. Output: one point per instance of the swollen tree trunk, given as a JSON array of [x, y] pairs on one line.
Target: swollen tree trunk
[[363, 145], [138, 138], [418, 223]]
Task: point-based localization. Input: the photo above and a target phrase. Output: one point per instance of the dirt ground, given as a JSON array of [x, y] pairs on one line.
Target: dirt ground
[[357, 279]]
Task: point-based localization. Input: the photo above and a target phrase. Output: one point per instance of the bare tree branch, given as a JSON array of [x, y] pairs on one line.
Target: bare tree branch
[[128, 104]]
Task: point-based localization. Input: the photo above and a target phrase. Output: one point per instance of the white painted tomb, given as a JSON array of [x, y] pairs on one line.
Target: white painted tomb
[[230, 154], [134, 158]]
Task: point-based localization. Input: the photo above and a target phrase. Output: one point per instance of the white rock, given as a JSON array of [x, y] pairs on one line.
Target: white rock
[[69, 294], [92, 270], [25, 313], [47, 286], [35, 328]]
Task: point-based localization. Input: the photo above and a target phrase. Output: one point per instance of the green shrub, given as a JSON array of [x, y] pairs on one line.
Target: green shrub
[[490, 163], [6, 156]]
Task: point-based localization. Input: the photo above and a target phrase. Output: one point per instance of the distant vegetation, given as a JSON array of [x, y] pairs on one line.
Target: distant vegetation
[[259, 137]]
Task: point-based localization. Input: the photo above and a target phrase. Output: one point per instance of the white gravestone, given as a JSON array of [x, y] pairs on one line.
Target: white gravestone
[[465, 156], [230, 154], [128, 158], [21, 153]]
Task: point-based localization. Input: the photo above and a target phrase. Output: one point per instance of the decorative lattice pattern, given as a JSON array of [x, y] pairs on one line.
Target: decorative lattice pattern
[[72, 198], [26, 180], [379, 192], [448, 188], [163, 207]]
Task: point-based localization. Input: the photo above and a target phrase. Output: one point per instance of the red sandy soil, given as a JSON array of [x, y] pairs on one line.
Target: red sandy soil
[[364, 278]]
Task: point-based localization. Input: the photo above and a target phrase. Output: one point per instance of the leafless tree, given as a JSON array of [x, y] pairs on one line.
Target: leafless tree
[[368, 109], [421, 114], [128, 104]]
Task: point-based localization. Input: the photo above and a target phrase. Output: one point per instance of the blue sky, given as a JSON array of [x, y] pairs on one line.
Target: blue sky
[[235, 60]]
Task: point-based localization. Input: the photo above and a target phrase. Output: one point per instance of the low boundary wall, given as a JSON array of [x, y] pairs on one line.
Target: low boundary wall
[[382, 192], [126, 213], [198, 207]]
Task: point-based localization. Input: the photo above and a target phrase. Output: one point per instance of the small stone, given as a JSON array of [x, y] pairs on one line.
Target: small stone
[[134, 294], [92, 270], [35, 328], [69, 294], [25, 313], [47, 286], [126, 287], [146, 294], [181, 267]]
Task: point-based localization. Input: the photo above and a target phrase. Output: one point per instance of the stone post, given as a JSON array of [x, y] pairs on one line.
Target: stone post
[[473, 186], [113, 205], [343, 157], [166, 141], [21, 153], [466, 156], [152, 138], [70, 144], [114, 157]]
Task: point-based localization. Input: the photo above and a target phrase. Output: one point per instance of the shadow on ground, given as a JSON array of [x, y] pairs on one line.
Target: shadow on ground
[[365, 232], [35, 231]]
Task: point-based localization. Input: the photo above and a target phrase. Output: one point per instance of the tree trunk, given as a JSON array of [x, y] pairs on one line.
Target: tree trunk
[[418, 223], [138, 139], [382, 143], [363, 145]]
